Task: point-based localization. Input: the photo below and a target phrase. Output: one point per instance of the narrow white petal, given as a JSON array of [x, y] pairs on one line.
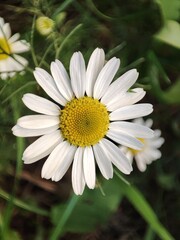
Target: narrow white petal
[[95, 64], [78, 181], [105, 77], [21, 62], [125, 99], [40, 104], [133, 129], [78, 74], [154, 154], [57, 159], [14, 38], [45, 80], [157, 133], [24, 132], [38, 121], [89, 167], [140, 162], [42, 147], [7, 30], [156, 143], [61, 79], [19, 46], [124, 139], [132, 111], [116, 156], [148, 123], [64, 163], [103, 162], [122, 84]]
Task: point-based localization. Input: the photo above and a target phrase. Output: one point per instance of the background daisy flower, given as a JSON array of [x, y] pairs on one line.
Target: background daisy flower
[[88, 121], [150, 151], [10, 62]]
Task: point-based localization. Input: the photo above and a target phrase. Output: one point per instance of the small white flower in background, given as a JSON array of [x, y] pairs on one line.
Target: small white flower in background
[[44, 25], [150, 150], [10, 46], [88, 121]]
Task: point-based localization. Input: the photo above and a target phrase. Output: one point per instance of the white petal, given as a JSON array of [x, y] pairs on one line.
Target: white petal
[[21, 64], [78, 181], [23, 132], [57, 160], [20, 46], [157, 143], [124, 139], [116, 156], [1, 22], [7, 30], [37, 121], [140, 162], [132, 111], [45, 80], [95, 64], [148, 123], [78, 74], [157, 133], [14, 38], [105, 77], [122, 84], [154, 154], [89, 167], [103, 162], [40, 104], [61, 79], [125, 99], [133, 129], [42, 147]]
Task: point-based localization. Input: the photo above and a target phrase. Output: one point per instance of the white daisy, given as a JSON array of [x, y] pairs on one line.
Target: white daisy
[[87, 122], [150, 150], [10, 62]]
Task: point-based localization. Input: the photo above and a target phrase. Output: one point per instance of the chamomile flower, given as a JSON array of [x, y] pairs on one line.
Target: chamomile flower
[[10, 62], [149, 152], [87, 122], [44, 25]]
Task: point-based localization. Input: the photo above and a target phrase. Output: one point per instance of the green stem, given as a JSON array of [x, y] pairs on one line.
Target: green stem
[[18, 90], [67, 38], [32, 39], [20, 147], [66, 214]]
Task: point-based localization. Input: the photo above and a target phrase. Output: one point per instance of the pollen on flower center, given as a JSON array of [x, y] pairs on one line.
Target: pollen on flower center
[[134, 151], [4, 49], [84, 121]]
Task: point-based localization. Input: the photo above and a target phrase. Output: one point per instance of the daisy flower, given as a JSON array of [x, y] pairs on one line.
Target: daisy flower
[[10, 62], [150, 150], [87, 121]]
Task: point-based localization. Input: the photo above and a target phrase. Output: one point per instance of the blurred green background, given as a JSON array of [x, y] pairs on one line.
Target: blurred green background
[[144, 34]]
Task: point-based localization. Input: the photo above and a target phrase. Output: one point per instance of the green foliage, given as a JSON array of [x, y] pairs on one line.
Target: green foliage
[[92, 209], [170, 33], [146, 36]]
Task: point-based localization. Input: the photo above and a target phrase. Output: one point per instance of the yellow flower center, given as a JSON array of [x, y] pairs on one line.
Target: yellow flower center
[[44, 25], [4, 49], [84, 121], [133, 151]]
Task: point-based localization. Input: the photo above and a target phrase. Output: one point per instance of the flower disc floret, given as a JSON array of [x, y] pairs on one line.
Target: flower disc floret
[[84, 121], [4, 49]]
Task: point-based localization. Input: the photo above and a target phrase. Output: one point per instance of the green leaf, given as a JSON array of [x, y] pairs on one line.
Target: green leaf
[[170, 33], [170, 8], [141, 205], [172, 94], [92, 209]]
